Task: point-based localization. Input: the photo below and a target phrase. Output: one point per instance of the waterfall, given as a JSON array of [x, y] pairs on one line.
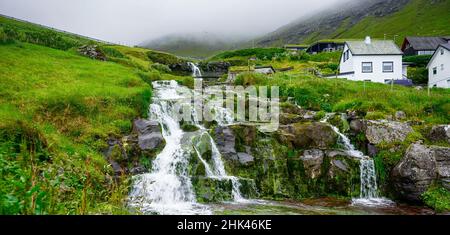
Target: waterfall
[[167, 189], [369, 188], [196, 72]]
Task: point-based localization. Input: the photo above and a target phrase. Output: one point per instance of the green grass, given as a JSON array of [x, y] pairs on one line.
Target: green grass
[[338, 95], [419, 17], [57, 110], [438, 198]]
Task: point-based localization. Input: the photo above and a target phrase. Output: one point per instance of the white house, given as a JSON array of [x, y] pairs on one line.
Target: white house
[[372, 60], [439, 67]]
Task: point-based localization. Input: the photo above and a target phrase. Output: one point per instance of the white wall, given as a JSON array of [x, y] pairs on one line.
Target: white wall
[[441, 79], [377, 75], [346, 66]]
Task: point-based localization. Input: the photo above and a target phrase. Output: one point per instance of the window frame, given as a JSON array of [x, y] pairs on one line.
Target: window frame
[[435, 69], [388, 62], [371, 67]]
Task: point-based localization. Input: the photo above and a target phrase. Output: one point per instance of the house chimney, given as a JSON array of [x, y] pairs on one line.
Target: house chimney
[[368, 40]]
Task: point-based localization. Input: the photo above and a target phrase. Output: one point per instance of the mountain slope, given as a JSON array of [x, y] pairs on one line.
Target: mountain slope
[[199, 45], [370, 17]]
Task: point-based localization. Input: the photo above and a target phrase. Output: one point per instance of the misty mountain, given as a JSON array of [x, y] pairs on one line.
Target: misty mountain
[[357, 19], [195, 45]]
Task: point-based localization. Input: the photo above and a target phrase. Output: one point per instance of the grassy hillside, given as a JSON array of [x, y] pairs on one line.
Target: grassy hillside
[[372, 17], [419, 17], [57, 111]]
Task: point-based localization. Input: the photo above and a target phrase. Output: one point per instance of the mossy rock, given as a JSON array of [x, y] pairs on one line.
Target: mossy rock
[[210, 190]]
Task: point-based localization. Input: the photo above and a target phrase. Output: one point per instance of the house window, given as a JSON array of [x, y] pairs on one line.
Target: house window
[[442, 67], [367, 67], [442, 51], [388, 67], [434, 70]]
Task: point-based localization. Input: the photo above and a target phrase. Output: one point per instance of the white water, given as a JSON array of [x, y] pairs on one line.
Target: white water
[[369, 188], [167, 189], [223, 117], [196, 72]]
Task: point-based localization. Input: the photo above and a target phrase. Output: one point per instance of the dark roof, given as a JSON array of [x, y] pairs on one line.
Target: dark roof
[[425, 43], [446, 46], [376, 47]]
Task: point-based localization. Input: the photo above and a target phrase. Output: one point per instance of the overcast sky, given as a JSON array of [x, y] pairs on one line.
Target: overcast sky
[[134, 21]]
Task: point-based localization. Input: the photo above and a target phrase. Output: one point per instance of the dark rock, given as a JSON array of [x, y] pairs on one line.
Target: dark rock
[[215, 67], [312, 161], [440, 133], [421, 166], [225, 141], [357, 125], [308, 135], [386, 131], [400, 115], [339, 164], [92, 51], [149, 134], [245, 159], [372, 150], [289, 118]]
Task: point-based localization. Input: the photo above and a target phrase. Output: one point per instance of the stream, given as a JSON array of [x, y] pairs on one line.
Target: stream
[[168, 189]]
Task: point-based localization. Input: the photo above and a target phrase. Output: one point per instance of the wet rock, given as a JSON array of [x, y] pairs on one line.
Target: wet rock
[[440, 133], [308, 135], [149, 134], [220, 67], [372, 150], [93, 52], [212, 190], [340, 165], [357, 125], [421, 166], [225, 141], [245, 159], [312, 161], [386, 131], [400, 115], [289, 118]]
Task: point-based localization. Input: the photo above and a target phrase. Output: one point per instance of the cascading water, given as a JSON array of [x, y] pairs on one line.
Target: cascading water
[[369, 188], [167, 189], [196, 72]]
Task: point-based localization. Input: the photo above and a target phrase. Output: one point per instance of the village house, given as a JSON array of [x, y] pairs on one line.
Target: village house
[[439, 67], [372, 60], [295, 48], [422, 45], [326, 46], [265, 70]]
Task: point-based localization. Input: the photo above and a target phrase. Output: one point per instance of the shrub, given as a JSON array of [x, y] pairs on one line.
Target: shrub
[[249, 79], [161, 68], [437, 198], [418, 60], [418, 75], [163, 58], [112, 52]]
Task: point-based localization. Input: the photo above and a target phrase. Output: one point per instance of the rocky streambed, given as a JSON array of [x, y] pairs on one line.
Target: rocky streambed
[[304, 166]]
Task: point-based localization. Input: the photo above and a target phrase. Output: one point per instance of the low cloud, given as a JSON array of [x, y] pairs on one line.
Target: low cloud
[[134, 21]]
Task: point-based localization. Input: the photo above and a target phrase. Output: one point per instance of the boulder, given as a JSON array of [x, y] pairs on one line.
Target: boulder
[[440, 133], [308, 135], [400, 115], [149, 134], [421, 166], [386, 131], [225, 141], [92, 51], [245, 159], [312, 161]]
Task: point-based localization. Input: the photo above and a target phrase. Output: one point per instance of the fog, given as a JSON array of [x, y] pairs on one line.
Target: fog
[[134, 21]]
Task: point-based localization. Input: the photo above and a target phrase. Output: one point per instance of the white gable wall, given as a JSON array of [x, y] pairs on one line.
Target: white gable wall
[[377, 74], [346, 66], [442, 78], [354, 64]]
